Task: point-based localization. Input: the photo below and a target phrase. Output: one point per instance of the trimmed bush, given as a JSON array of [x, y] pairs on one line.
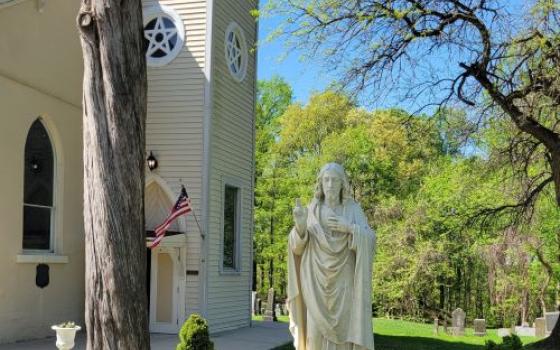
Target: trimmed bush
[[194, 334], [509, 343]]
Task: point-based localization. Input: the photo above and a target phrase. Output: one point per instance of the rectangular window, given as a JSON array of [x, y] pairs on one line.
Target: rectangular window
[[231, 228]]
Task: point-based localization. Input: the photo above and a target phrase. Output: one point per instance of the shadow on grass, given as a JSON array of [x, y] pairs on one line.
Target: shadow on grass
[[390, 342]]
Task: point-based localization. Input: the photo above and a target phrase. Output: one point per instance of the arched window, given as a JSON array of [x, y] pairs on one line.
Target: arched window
[[38, 189]]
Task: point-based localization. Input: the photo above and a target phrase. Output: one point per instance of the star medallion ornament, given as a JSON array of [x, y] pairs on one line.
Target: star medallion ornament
[[234, 52], [161, 36]]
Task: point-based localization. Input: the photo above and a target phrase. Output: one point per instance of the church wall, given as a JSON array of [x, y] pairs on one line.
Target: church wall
[[175, 126], [232, 161], [27, 311]]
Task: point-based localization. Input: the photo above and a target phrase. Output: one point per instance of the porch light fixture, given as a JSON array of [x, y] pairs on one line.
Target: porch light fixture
[[152, 162]]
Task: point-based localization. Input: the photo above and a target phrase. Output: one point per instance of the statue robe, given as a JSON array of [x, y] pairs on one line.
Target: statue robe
[[329, 283]]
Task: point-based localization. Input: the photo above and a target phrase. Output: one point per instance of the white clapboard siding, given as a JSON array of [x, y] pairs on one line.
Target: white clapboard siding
[[175, 125], [231, 152]]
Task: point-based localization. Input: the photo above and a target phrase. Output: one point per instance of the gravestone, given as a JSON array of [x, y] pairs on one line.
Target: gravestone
[[480, 327], [458, 322], [551, 319], [525, 331], [254, 306], [278, 310], [504, 332], [540, 327], [269, 314], [436, 326]]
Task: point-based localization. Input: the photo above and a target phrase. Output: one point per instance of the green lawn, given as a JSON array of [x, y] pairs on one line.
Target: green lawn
[[404, 335]]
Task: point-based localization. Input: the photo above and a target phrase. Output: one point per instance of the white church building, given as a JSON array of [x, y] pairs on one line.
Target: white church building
[[200, 129]]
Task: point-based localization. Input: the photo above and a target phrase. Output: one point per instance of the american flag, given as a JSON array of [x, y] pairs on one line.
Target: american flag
[[181, 207]]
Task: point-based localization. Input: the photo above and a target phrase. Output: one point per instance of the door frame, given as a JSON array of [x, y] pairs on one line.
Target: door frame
[[177, 253]]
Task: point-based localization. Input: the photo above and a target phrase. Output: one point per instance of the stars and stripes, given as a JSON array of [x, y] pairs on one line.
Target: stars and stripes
[[181, 207]]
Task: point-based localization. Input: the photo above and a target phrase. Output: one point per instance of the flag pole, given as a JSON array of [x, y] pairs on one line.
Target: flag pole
[[194, 214]]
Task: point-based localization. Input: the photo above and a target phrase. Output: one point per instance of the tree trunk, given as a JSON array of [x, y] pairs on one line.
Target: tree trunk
[[114, 119]]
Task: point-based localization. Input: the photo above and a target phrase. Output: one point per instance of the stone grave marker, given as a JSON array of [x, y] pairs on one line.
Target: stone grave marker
[[278, 310], [504, 332], [458, 322], [269, 314], [254, 306], [551, 319], [480, 327], [525, 331], [436, 326], [540, 327]]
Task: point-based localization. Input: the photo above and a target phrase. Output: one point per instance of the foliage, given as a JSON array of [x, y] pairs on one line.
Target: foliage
[[194, 334], [426, 193], [67, 324], [479, 53], [509, 343]]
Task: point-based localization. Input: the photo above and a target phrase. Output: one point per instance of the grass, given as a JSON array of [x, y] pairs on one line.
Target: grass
[[405, 335]]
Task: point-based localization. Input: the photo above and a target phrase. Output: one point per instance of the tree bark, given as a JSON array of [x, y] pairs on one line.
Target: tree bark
[[114, 118]]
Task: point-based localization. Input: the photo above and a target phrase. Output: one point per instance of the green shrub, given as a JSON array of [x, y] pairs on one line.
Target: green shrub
[[194, 334], [508, 343]]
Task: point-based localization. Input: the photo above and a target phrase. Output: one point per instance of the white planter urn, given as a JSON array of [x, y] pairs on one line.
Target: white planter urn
[[65, 336]]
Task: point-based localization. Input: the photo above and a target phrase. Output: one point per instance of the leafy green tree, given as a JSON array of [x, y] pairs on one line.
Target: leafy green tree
[[475, 52], [273, 97]]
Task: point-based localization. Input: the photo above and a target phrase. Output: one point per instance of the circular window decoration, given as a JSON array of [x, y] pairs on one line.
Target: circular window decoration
[[236, 51], [164, 34]]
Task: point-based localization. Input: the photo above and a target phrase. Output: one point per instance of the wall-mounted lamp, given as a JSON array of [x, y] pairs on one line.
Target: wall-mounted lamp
[[152, 162]]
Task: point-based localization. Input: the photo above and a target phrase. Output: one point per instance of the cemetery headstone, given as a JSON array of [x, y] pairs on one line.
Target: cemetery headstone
[[551, 319], [436, 326], [540, 327], [480, 327], [525, 331], [269, 314], [254, 306], [458, 322], [278, 310], [504, 332]]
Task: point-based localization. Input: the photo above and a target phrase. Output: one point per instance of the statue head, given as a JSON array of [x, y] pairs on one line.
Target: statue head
[[332, 180]]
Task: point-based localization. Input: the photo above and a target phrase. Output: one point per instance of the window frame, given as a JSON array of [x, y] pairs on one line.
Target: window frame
[[237, 184], [153, 11], [53, 254], [234, 27]]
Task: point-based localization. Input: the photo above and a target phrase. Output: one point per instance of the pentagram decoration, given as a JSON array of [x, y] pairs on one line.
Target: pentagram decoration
[[163, 35], [236, 51]]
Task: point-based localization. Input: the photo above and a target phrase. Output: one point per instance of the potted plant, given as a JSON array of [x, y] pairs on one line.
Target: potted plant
[[65, 335]]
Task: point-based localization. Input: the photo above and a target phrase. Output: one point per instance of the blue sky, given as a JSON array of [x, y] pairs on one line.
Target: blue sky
[[306, 77]]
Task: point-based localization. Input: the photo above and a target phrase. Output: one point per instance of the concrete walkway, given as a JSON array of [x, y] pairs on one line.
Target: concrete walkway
[[261, 336]]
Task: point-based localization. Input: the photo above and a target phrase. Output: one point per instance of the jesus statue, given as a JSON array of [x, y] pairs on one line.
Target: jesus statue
[[329, 269]]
